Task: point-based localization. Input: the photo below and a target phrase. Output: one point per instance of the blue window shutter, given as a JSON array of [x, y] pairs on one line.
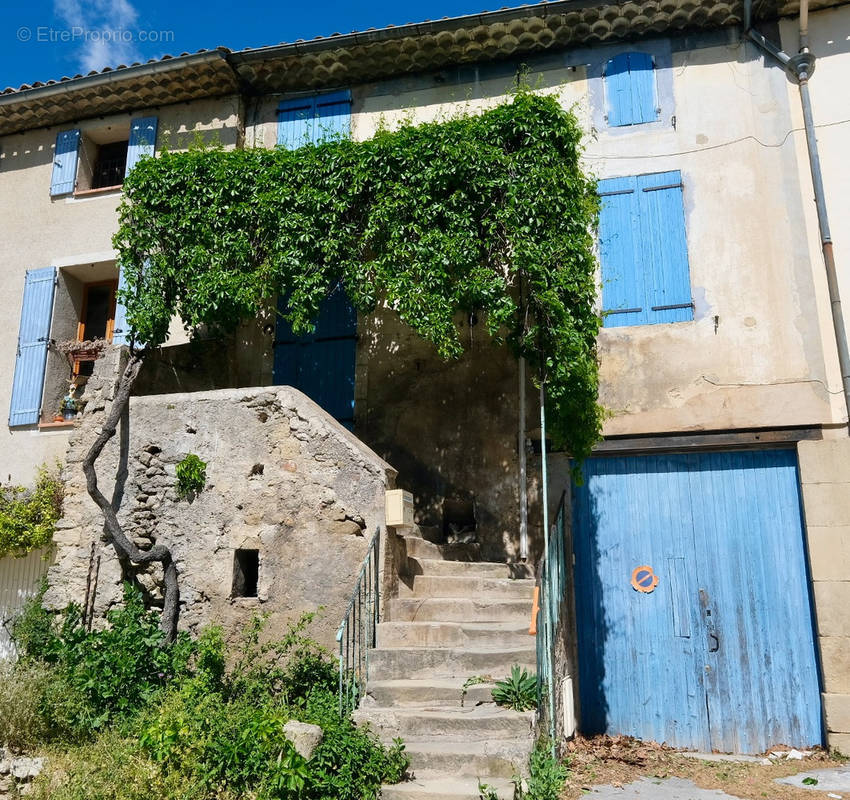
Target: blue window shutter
[[618, 93], [36, 313], [142, 140], [295, 122], [642, 82], [333, 117], [65, 162], [623, 279], [120, 329], [665, 248]]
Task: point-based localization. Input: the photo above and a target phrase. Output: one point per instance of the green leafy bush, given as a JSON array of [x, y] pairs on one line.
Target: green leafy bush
[[518, 691], [191, 475], [113, 672], [28, 518], [546, 775]]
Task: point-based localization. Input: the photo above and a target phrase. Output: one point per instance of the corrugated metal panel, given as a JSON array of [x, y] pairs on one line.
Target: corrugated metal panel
[[321, 364], [721, 655], [65, 162], [142, 140], [20, 579], [36, 313]]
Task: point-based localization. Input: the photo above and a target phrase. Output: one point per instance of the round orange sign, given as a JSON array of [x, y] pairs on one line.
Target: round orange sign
[[644, 579]]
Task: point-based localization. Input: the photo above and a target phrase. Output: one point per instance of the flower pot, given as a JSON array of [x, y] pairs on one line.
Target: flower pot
[[68, 414]]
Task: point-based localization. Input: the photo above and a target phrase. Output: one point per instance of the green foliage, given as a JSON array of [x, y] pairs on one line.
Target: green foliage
[[488, 214], [546, 775], [28, 518], [111, 672], [518, 691], [196, 730], [487, 792], [472, 680], [191, 475]]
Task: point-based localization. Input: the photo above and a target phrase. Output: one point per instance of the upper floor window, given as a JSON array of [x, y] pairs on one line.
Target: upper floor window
[[315, 119], [100, 158], [630, 92], [643, 250]]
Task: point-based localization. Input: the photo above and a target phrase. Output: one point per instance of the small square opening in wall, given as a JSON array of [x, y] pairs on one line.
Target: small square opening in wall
[[246, 571]]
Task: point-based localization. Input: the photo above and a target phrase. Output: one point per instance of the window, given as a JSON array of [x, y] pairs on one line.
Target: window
[[643, 250], [311, 120], [97, 320], [101, 157], [630, 93], [246, 573]]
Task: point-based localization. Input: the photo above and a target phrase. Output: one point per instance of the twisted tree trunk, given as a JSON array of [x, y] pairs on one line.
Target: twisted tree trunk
[[125, 548]]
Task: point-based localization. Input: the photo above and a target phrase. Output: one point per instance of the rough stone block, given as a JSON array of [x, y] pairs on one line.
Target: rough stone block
[[24, 768], [829, 553], [305, 738], [826, 461], [826, 504], [832, 599], [835, 661], [839, 742], [837, 708]]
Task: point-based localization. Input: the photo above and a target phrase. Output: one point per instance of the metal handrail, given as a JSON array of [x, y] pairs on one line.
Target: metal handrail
[[357, 631], [551, 583]]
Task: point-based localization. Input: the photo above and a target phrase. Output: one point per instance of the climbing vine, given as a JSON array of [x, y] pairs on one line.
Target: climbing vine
[[488, 214], [28, 518]]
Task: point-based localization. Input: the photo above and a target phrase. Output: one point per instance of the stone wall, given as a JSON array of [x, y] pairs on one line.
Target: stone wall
[[283, 478], [825, 480]]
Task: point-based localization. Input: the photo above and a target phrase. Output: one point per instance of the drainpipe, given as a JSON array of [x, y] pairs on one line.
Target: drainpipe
[[523, 492], [802, 66]]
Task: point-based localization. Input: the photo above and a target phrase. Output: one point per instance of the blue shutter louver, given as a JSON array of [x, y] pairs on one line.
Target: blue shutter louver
[[142, 140], [33, 337], [643, 250], [311, 120], [630, 89], [120, 329], [65, 162]]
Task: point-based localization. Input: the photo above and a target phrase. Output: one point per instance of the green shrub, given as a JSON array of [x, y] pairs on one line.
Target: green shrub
[[518, 691], [28, 518], [191, 475], [114, 671], [546, 775]]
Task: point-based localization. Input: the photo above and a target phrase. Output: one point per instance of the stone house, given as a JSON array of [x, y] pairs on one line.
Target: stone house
[[724, 466]]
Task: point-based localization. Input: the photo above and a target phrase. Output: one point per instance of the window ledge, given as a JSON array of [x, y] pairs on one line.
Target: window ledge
[[54, 426], [101, 190]]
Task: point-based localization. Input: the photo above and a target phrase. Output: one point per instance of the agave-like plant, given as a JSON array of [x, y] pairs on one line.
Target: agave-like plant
[[518, 691]]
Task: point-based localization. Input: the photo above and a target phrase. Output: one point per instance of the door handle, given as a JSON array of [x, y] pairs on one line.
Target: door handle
[[714, 642]]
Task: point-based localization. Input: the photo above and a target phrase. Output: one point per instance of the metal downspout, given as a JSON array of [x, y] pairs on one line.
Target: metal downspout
[[802, 66], [523, 491]]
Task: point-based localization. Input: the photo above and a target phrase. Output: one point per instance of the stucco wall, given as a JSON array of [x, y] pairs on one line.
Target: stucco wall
[[283, 478], [825, 481], [68, 232]]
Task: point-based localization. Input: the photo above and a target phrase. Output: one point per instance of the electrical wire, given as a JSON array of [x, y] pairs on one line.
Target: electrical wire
[[714, 146]]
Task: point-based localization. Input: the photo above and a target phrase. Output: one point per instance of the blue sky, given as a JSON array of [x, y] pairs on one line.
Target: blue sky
[[44, 39]]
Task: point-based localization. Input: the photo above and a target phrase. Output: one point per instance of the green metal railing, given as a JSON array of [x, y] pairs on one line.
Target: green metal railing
[[551, 583], [357, 631]]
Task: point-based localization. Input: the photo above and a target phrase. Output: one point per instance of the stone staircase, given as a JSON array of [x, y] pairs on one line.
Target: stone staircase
[[460, 618]]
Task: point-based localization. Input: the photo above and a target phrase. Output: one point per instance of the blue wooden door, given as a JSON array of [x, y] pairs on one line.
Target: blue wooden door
[[693, 608], [321, 364]]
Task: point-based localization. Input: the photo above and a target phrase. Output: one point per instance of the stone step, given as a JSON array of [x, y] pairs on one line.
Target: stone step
[[435, 786], [450, 662], [421, 548], [474, 723], [453, 634], [492, 757], [464, 609], [492, 569], [472, 586], [428, 692]]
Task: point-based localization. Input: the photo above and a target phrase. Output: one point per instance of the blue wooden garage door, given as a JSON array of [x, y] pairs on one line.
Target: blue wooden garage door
[[692, 597], [321, 364]]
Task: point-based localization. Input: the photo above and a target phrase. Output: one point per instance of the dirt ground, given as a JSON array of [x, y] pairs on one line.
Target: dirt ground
[[606, 760]]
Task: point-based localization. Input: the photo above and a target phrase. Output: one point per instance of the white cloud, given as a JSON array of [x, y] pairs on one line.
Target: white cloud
[[103, 31]]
